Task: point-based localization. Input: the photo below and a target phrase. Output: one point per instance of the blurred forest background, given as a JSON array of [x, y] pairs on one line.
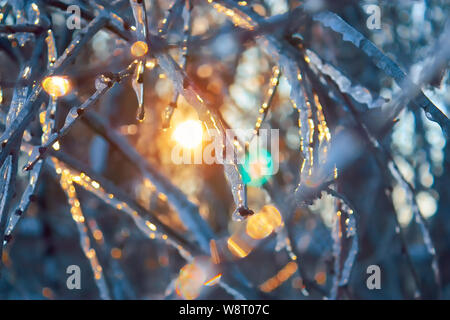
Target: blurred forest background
[[369, 187]]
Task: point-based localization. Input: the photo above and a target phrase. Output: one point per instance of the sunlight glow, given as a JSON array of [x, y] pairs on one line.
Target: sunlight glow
[[189, 134]]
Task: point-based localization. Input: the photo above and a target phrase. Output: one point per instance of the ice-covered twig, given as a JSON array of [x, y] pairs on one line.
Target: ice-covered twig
[[66, 182], [357, 92], [380, 157], [103, 83], [47, 121], [383, 62], [410, 90], [30, 107], [114, 196], [287, 204], [186, 15], [351, 232], [8, 176]]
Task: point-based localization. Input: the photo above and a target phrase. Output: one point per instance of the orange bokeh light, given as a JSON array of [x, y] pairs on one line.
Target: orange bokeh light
[[56, 86], [139, 49]]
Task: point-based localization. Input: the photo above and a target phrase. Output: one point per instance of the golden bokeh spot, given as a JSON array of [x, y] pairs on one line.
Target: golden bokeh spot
[[264, 222], [273, 216], [47, 293], [204, 71], [56, 86], [116, 253], [98, 235], [139, 49], [320, 277], [258, 226]]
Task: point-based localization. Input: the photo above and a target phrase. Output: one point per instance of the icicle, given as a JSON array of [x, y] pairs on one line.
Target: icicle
[[66, 183], [138, 86], [239, 192], [141, 35]]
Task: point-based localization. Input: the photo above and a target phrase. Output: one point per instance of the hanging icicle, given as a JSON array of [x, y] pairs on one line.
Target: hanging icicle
[[186, 16]]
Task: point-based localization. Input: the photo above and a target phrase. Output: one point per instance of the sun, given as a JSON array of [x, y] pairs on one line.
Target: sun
[[189, 134]]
